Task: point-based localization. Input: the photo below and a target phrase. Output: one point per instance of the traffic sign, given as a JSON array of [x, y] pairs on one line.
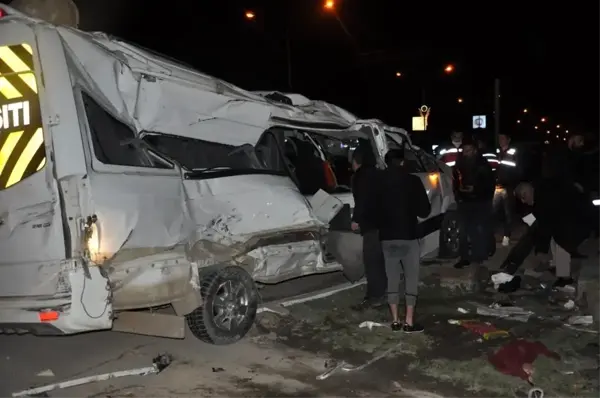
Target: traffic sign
[[419, 123], [479, 122]]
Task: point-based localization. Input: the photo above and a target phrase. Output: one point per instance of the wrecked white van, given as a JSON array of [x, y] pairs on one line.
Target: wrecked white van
[[439, 232], [128, 182]]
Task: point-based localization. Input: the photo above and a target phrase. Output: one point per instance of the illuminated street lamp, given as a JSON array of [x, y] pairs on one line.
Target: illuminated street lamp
[[518, 121], [543, 120], [449, 68], [249, 15], [329, 5], [460, 100], [398, 74], [558, 126], [567, 131], [535, 127], [548, 132], [525, 110]]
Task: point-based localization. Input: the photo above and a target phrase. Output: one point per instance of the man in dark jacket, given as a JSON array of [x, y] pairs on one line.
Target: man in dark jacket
[[507, 175], [561, 223], [364, 220], [404, 200], [474, 191]]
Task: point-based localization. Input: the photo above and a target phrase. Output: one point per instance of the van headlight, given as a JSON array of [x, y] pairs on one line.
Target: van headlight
[[92, 239], [596, 202]]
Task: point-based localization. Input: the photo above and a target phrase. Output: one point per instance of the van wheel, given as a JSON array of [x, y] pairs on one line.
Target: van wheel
[[449, 236], [230, 300]]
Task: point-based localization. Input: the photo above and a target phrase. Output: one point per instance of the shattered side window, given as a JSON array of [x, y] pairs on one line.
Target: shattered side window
[[112, 140], [198, 154]]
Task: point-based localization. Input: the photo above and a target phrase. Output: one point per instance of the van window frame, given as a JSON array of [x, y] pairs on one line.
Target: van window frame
[[100, 167]]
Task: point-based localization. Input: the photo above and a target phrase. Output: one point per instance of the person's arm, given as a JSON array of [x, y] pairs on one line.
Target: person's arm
[[421, 200], [357, 191]]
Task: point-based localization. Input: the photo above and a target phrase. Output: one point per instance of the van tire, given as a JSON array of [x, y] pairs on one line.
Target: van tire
[[449, 236], [230, 290]]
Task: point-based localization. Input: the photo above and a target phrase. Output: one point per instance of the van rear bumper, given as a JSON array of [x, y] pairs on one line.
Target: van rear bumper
[[87, 308]]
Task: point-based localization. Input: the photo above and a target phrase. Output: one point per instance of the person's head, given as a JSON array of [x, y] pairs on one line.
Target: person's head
[[394, 158], [524, 193], [469, 148], [456, 137], [503, 140], [576, 142]]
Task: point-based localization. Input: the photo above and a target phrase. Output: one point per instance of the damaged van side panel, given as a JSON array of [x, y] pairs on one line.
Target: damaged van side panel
[[32, 246]]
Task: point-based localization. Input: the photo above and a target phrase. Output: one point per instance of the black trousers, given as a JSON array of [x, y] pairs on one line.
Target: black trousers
[[374, 265], [475, 230], [504, 204]]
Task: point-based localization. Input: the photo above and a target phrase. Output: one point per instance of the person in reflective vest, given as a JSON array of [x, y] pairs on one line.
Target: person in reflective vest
[[449, 153], [507, 178], [491, 157]]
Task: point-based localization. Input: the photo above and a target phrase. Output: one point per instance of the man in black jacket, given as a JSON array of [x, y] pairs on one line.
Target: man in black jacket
[[474, 191], [364, 220], [403, 201]]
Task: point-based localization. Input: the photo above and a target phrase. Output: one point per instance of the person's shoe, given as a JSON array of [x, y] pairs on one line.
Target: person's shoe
[[462, 264], [397, 327], [414, 328], [505, 241], [562, 282]]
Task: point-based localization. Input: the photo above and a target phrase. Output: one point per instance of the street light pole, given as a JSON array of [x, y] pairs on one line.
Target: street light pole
[[496, 110]]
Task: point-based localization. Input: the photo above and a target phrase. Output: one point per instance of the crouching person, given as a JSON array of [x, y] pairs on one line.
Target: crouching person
[[404, 200], [561, 224]]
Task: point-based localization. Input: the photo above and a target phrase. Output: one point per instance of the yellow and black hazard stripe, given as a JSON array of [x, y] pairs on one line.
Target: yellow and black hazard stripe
[[22, 150]]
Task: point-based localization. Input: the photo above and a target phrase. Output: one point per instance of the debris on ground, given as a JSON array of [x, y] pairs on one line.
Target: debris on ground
[[516, 358], [569, 305], [46, 373], [370, 325], [580, 320], [159, 363], [512, 313], [501, 278], [483, 329], [217, 370], [346, 367]]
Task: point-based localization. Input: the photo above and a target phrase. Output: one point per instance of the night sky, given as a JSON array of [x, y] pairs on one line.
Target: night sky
[[545, 53]]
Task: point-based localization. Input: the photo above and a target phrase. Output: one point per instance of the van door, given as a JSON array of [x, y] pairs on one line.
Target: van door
[[32, 243]]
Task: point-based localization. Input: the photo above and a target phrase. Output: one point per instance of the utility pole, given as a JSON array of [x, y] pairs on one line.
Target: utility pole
[[496, 110]]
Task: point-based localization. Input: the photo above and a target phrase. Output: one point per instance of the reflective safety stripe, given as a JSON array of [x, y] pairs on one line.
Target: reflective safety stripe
[[508, 163], [450, 164], [22, 150], [511, 151], [450, 150]]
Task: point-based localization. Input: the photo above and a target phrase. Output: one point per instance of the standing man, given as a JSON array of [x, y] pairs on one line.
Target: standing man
[[364, 220], [449, 153], [507, 177], [474, 191], [405, 199]]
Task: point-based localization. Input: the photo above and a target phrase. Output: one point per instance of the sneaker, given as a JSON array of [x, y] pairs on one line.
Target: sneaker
[[462, 264], [397, 327], [505, 241], [414, 328]]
